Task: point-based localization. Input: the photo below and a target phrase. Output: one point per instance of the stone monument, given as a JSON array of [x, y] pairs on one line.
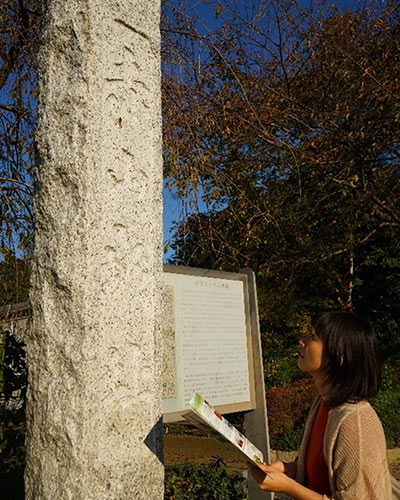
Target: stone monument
[[95, 402]]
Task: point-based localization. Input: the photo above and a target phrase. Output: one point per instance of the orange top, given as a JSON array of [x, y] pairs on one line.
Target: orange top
[[316, 468]]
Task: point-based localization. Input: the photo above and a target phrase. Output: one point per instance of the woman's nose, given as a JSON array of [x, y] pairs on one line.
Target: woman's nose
[[301, 342]]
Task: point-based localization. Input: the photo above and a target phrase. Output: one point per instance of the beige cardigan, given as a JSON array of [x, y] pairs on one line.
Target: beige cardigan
[[355, 452]]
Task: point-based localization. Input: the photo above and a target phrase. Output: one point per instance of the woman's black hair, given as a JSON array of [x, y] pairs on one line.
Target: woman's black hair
[[350, 348]]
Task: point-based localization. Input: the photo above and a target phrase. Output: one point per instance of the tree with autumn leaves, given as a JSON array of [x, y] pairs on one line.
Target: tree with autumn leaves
[[290, 133]]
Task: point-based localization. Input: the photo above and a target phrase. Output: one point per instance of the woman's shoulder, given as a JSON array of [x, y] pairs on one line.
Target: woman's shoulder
[[346, 409], [357, 417]]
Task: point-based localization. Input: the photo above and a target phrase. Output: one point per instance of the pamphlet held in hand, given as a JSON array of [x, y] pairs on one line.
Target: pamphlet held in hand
[[204, 416]]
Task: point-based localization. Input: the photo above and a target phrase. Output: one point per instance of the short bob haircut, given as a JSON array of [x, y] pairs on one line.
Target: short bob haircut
[[350, 350]]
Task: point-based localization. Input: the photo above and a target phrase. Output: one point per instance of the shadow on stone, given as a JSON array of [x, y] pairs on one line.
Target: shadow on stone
[[154, 440]]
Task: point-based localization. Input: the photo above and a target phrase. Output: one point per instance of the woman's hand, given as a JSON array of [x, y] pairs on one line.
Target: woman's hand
[[289, 468], [279, 466], [270, 477]]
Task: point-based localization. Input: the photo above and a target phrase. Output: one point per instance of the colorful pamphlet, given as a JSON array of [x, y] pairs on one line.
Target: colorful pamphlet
[[204, 416]]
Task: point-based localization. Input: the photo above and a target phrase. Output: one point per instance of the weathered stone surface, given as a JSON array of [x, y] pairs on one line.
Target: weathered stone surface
[[94, 399]]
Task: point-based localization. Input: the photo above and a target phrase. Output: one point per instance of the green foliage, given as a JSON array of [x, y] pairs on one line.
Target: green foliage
[[280, 356], [387, 406], [14, 278], [12, 413], [377, 293], [208, 482], [387, 402], [289, 439], [281, 372]]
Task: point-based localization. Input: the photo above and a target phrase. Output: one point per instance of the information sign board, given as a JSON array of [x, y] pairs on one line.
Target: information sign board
[[207, 340]]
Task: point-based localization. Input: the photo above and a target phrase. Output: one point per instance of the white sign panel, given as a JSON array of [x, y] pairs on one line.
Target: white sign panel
[[205, 345]]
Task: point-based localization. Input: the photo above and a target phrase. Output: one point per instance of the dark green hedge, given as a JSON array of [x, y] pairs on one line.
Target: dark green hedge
[[206, 482]]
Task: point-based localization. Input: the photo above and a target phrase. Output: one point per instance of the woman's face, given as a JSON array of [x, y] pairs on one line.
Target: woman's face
[[311, 354]]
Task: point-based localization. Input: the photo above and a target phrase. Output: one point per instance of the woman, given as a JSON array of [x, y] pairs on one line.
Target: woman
[[343, 452]]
